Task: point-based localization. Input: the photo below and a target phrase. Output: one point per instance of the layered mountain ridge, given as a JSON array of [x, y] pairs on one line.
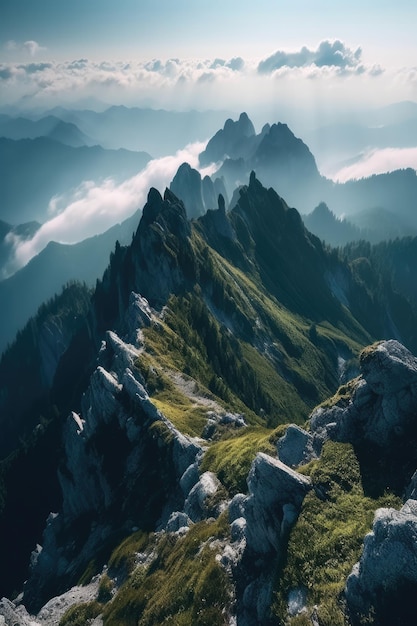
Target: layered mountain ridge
[[201, 342]]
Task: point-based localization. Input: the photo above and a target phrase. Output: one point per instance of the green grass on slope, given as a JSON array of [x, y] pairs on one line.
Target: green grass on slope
[[183, 586], [328, 536], [239, 343], [231, 458], [188, 416]]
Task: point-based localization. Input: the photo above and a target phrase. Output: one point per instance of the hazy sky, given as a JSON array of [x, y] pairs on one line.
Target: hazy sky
[[207, 53], [302, 60]]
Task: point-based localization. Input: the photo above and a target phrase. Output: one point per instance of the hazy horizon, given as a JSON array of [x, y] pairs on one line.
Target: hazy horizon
[[309, 65], [235, 55]]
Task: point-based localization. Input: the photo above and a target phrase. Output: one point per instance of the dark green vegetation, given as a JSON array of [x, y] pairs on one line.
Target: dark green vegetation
[[327, 539], [81, 614], [31, 426]]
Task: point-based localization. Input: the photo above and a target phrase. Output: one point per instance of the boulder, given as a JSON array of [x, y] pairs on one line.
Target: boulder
[[387, 569], [381, 405], [13, 615], [272, 485], [388, 367], [198, 506], [177, 521], [296, 446]]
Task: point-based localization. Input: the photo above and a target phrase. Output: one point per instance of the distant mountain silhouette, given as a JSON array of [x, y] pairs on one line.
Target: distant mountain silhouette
[[134, 128], [47, 273], [280, 159], [285, 163], [324, 223], [23, 231], [235, 140], [379, 224], [34, 170], [49, 126], [198, 195]]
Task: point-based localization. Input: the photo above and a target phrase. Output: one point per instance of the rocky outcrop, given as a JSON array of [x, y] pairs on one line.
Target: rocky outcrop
[[380, 405], [276, 494], [161, 258], [384, 582], [280, 159], [296, 447], [187, 185], [260, 523], [123, 466], [200, 503]]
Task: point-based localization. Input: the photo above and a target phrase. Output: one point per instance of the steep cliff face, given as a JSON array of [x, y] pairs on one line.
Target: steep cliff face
[[123, 464]]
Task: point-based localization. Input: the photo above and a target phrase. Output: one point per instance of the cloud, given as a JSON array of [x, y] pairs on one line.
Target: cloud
[[31, 68], [231, 83], [328, 54], [378, 161], [32, 47], [92, 209]]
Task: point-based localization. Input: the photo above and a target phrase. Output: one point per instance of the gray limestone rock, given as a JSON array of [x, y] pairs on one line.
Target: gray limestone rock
[[118, 436], [382, 403], [12, 615], [197, 505], [272, 485], [388, 367], [177, 521], [388, 561], [138, 315], [296, 447], [190, 477], [237, 507]]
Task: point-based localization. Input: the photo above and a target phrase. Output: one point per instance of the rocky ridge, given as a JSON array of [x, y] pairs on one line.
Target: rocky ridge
[[376, 413], [127, 466], [261, 520]]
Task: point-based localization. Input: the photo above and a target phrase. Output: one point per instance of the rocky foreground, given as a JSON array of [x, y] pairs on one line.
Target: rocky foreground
[[376, 413]]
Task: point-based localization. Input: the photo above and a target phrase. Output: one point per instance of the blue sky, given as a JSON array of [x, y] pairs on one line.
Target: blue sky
[[147, 28], [114, 43]]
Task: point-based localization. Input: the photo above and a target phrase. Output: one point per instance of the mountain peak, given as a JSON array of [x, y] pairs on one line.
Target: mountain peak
[[246, 125], [234, 140]]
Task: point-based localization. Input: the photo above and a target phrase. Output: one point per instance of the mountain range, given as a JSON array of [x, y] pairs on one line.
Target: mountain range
[[133, 128], [375, 209], [47, 273], [49, 126], [50, 168], [177, 420]]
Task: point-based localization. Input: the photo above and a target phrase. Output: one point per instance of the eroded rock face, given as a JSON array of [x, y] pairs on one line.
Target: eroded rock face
[[296, 447], [197, 505], [276, 492], [260, 523], [123, 464], [382, 581], [382, 402]]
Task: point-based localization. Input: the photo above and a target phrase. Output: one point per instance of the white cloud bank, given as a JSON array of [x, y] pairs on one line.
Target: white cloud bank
[[332, 70], [93, 209], [378, 161]]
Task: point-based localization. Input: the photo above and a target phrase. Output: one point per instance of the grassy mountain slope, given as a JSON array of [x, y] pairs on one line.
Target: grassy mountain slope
[[251, 315]]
